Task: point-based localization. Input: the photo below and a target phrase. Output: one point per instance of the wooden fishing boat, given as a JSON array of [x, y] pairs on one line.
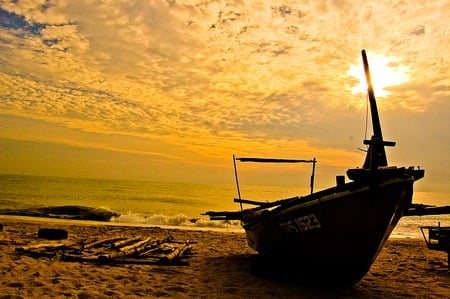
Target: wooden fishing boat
[[337, 233]]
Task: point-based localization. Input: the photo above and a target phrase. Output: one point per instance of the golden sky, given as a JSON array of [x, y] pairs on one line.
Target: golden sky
[[170, 90]]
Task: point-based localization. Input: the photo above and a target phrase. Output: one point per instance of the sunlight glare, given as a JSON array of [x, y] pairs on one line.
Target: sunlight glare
[[385, 72]]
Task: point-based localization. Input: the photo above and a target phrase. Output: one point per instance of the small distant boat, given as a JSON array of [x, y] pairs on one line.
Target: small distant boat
[[338, 232]]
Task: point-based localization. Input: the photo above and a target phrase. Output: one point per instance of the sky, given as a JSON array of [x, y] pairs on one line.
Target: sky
[[170, 90]]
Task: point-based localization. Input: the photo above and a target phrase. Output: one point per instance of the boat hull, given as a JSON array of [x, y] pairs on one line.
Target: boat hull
[[338, 235]]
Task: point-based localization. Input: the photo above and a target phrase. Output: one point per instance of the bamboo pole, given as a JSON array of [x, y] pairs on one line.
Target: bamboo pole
[[176, 253], [155, 246], [125, 251], [99, 242], [40, 246], [125, 242], [135, 245]]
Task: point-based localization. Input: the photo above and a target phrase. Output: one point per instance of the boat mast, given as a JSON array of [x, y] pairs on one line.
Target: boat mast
[[376, 155], [373, 104]]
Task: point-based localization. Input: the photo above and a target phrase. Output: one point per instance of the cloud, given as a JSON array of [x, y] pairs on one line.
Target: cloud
[[210, 76]]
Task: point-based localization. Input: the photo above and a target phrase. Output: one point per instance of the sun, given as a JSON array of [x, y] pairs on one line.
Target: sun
[[385, 71]]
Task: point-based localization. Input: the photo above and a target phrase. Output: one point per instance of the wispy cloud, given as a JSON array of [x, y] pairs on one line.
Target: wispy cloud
[[210, 76]]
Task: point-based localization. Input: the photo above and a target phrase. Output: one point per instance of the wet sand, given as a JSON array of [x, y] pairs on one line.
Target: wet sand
[[217, 267]]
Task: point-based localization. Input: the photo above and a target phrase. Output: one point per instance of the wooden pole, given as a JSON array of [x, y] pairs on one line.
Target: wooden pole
[[99, 242], [125, 251], [314, 161], [175, 254], [125, 242], [40, 246], [237, 180]]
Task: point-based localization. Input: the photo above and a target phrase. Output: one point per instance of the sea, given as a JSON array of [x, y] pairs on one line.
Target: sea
[[168, 204]]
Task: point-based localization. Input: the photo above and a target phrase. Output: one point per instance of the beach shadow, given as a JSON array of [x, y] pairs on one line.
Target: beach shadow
[[244, 272], [293, 272]]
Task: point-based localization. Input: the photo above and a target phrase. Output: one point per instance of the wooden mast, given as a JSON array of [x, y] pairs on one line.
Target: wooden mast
[[376, 155]]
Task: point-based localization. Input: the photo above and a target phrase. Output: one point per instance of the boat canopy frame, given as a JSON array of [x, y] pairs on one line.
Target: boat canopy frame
[[313, 161]]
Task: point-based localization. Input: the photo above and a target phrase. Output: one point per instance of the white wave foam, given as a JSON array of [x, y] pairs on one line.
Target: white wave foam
[[175, 220]]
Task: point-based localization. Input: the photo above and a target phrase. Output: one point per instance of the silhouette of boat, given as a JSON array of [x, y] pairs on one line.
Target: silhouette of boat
[[334, 234]]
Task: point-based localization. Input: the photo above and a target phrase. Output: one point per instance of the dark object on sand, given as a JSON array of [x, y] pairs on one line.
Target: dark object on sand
[[64, 212], [1, 227], [334, 234], [52, 233], [438, 239]]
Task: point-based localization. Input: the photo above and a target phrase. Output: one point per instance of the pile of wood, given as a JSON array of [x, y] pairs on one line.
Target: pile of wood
[[139, 250]]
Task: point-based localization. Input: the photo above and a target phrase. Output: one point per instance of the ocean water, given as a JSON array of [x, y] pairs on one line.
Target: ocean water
[[163, 203]]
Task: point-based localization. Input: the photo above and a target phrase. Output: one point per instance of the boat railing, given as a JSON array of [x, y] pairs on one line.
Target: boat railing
[[269, 160]]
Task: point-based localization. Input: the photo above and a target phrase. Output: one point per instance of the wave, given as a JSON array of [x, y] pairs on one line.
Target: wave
[[175, 220], [105, 215]]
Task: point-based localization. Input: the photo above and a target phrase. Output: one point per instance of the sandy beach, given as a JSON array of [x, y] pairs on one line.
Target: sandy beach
[[218, 266]]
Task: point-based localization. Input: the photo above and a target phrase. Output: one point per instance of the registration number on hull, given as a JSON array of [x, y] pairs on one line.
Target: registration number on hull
[[301, 224]]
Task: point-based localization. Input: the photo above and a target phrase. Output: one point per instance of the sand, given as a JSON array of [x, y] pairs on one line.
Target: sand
[[217, 267]]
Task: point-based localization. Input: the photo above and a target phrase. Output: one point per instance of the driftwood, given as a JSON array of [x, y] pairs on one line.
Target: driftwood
[[58, 246], [100, 242], [136, 247], [112, 250], [125, 251], [180, 251], [43, 249], [159, 246], [125, 242]]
